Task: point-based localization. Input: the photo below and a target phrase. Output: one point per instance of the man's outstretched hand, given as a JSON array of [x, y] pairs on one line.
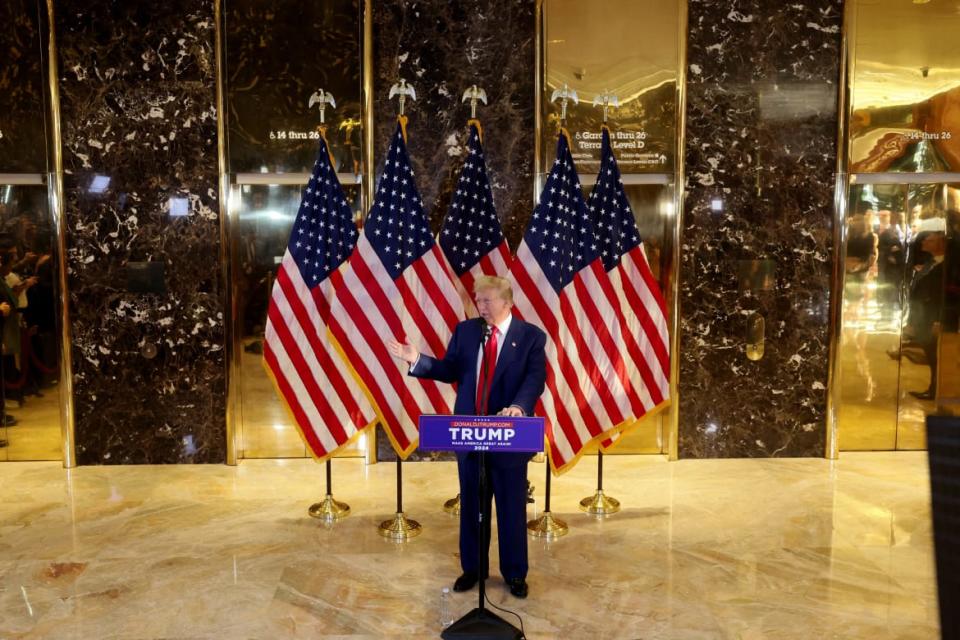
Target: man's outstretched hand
[[402, 351]]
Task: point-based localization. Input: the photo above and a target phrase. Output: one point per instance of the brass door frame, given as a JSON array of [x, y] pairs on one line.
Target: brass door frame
[[58, 212], [679, 184]]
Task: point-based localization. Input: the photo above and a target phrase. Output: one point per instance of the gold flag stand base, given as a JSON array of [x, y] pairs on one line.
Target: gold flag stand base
[[600, 505], [547, 527], [329, 510], [452, 506], [400, 528]]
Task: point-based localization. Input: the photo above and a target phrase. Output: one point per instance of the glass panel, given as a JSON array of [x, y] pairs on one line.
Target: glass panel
[[29, 371], [263, 218]]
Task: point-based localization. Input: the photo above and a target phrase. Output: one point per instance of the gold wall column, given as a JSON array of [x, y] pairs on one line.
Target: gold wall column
[[679, 182], [640, 58], [57, 210], [231, 340], [841, 199]]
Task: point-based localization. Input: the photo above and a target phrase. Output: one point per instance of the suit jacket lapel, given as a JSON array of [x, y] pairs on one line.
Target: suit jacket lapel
[[473, 375]]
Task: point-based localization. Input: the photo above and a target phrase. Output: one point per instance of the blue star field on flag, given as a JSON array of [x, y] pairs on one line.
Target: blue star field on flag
[[560, 234], [397, 228], [471, 229], [610, 210], [323, 234]]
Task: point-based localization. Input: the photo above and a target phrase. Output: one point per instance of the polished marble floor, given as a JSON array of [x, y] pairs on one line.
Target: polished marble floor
[[739, 549]]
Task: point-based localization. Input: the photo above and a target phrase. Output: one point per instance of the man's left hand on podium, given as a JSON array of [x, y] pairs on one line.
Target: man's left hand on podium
[[511, 411]]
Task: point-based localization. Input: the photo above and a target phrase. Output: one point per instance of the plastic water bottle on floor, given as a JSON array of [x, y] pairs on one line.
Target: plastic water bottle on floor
[[446, 610]]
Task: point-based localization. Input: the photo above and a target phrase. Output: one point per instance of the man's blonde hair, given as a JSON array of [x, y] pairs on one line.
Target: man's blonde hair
[[501, 285]]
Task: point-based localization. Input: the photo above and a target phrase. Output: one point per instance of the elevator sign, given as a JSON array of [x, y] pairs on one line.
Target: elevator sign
[[635, 151]]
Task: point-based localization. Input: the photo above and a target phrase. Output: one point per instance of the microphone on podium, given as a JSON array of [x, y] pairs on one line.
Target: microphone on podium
[[485, 330]]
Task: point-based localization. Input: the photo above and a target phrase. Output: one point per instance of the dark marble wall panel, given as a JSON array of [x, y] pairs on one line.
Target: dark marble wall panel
[[22, 76], [761, 129], [442, 48], [138, 106]]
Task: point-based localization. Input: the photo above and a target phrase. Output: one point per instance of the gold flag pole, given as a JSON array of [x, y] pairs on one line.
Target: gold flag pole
[[599, 504], [328, 510], [400, 528], [474, 94], [546, 526]]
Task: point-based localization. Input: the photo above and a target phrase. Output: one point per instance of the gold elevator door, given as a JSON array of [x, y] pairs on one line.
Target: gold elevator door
[[899, 347]]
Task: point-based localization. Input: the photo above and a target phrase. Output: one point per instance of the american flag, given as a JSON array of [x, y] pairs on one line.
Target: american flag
[[562, 286], [643, 322], [396, 286], [328, 407], [471, 237]]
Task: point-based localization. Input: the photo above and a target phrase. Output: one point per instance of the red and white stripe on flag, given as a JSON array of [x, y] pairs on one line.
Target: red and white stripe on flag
[[642, 326], [396, 286], [317, 387], [585, 399], [421, 308], [327, 406]]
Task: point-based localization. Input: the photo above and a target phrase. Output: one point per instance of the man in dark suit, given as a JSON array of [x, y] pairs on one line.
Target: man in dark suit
[[515, 376], [926, 306]]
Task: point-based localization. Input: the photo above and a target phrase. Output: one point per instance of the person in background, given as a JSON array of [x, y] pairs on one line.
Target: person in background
[[861, 253], [890, 261], [9, 328], [926, 306]]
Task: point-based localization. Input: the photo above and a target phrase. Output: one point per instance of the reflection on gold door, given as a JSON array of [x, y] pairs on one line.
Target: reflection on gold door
[[899, 342]]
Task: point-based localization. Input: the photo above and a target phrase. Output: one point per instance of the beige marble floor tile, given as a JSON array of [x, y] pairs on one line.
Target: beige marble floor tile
[[738, 549]]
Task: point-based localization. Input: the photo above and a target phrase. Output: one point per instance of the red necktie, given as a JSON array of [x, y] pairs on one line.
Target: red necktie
[[490, 351]]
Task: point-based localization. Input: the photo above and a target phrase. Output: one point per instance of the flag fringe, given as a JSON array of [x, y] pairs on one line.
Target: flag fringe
[[476, 122], [323, 134], [404, 454], [633, 425], [562, 469]]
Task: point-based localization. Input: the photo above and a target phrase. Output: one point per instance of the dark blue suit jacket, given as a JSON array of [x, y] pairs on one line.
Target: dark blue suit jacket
[[520, 375]]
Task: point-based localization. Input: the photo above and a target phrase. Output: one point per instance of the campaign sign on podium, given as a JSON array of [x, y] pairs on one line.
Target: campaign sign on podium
[[495, 434]]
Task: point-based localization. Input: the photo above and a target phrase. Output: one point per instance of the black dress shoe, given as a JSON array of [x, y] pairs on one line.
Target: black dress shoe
[[518, 588], [465, 582], [8, 421], [923, 395]]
